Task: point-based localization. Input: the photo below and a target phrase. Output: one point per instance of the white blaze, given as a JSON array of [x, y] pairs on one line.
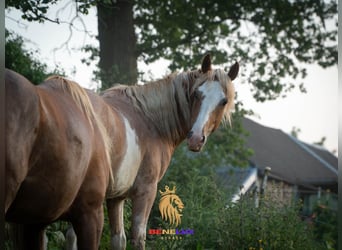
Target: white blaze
[[212, 94]]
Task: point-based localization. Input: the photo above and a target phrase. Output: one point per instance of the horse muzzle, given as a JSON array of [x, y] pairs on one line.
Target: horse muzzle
[[195, 142]]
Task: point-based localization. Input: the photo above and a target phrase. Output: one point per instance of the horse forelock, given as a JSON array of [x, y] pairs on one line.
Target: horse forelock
[[229, 90], [222, 77], [81, 99]]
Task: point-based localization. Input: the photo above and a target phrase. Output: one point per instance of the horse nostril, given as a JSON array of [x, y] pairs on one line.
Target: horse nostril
[[203, 139], [190, 134]]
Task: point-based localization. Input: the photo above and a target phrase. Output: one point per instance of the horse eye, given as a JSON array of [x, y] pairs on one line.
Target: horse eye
[[223, 102]]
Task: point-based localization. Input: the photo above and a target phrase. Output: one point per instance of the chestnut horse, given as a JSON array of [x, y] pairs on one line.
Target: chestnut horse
[[151, 121], [57, 159], [146, 124]]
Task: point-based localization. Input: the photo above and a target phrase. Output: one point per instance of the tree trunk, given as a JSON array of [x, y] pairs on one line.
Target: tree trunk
[[118, 60]]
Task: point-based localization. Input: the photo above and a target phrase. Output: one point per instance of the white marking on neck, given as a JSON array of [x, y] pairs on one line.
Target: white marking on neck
[[129, 166], [212, 94]]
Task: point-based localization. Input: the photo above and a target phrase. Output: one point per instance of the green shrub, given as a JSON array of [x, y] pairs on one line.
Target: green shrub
[[325, 225], [234, 226]]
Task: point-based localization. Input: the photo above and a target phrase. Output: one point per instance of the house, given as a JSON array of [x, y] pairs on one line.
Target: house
[[297, 169]]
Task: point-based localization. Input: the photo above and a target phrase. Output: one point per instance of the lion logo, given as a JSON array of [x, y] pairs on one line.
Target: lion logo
[[170, 206]]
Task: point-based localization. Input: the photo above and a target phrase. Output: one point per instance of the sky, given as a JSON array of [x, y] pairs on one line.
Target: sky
[[314, 113]]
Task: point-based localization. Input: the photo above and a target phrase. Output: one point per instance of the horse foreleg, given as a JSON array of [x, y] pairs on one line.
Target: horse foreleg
[[88, 229], [142, 204], [116, 222]]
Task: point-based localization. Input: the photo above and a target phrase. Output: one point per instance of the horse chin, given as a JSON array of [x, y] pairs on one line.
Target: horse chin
[[195, 148], [196, 145]]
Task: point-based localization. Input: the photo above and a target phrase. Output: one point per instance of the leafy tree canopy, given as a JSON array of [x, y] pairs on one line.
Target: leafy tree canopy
[[270, 38]]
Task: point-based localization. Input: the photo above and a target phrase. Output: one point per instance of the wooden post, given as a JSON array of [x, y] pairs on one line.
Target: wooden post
[[264, 180], [256, 194], [295, 193], [319, 194]]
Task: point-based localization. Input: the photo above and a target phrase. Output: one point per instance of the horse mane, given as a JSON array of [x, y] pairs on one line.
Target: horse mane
[[154, 98], [78, 94], [81, 99], [173, 93]]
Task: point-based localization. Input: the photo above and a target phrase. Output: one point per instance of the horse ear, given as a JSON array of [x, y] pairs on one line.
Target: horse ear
[[206, 64], [233, 71]]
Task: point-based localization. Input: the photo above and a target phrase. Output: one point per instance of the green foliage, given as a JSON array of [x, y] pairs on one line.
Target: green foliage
[[325, 225], [269, 36], [55, 234], [219, 224], [194, 176], [32, 10], [271, 39], [269, 226], [24, 61]]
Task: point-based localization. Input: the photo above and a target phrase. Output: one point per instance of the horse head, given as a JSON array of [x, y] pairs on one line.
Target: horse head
[[212, 99]]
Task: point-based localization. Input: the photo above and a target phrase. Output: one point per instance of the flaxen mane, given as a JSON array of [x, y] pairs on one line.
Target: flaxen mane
[[154, 98], [77, 93], [173, 93], [81, 98]]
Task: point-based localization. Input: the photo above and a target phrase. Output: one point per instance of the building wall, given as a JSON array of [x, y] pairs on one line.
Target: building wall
[[280, 191], [285, 193]]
